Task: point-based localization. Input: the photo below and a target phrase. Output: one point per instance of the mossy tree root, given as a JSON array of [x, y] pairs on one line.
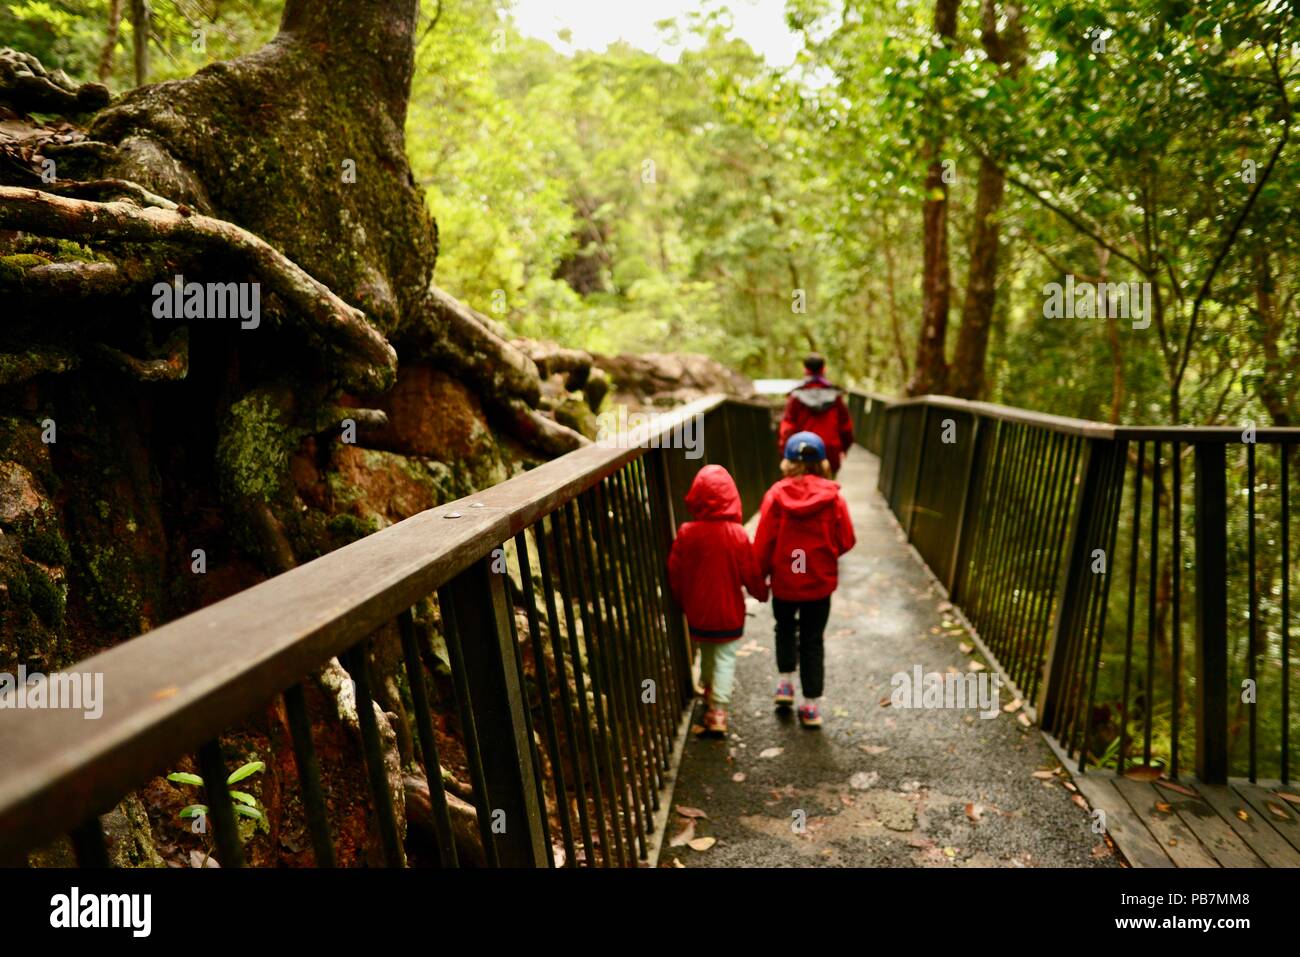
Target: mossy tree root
[[365, 359]]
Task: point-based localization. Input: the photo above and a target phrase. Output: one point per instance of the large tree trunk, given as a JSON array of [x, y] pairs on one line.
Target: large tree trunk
[[930, 372], [967, 375]]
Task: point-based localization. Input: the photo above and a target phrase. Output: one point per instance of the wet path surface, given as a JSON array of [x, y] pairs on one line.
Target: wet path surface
[[877, 786]]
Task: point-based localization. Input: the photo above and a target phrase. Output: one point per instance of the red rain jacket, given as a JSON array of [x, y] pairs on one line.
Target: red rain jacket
[[818, 407], [803, 529], [711, 559]]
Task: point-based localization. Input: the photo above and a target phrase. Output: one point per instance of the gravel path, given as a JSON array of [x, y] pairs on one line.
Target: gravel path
[[878, 786]]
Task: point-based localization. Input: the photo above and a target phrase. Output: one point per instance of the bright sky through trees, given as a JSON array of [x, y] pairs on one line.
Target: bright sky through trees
[[594, 24]]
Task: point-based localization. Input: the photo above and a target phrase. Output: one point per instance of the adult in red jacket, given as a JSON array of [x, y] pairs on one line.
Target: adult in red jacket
[[709, 563], [804, 527], [817, 406]]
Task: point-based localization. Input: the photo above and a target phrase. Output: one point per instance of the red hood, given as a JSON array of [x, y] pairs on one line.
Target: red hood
[[805, 494], [713, 496]]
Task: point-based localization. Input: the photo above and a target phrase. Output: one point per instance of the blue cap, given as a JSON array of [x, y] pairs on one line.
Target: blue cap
[[805, 447]]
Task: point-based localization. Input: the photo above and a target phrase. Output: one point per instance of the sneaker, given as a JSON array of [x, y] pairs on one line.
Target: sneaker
[[715, 721], [810, 716], [784, 697]]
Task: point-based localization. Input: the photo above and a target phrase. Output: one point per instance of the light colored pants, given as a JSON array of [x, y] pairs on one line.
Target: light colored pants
[[718, 671]]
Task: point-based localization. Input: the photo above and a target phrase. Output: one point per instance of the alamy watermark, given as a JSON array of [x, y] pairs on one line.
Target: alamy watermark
[[73, 690], [1105, 300], [179, 299], [980, 690], [621, 429]]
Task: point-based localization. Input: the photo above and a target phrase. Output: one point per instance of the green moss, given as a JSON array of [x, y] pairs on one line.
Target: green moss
[[46, 598], [14, 268], [45, 546], [349, 528], [254, 449], [115, 602]]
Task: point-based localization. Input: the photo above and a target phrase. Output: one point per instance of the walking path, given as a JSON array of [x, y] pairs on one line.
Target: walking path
[[878, 786]]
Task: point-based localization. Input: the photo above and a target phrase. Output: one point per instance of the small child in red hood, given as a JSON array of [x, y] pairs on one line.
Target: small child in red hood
[[803, 529], [709, 562]]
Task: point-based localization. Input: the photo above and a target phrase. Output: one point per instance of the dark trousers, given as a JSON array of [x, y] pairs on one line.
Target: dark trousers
[[799, 627]]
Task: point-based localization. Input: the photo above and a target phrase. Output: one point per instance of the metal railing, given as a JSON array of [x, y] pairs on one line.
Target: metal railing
[[1128, 627], [607, 653]]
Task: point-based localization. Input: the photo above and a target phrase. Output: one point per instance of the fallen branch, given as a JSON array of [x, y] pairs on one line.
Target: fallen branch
[[367, 361]]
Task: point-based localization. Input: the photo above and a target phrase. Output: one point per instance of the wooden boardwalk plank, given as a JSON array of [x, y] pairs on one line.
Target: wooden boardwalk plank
[[1260, 799], [1125, 828], [1178, 841], [1262, 838], [1215, 834]]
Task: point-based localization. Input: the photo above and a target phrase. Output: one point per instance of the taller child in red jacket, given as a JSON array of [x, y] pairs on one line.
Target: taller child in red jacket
[[818, 407], [803, 529], [709, 562]]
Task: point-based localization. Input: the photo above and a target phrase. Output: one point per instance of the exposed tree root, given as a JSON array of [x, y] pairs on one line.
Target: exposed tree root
[[536, 430], [175, 364], [367, 360], [471, 344], [29, 87]]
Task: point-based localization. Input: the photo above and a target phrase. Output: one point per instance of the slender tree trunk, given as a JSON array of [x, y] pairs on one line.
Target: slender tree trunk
[[140, 39], [967, 376], [1271, 393], [1113, 340], [930, 373], [895, 321], [110, 40]]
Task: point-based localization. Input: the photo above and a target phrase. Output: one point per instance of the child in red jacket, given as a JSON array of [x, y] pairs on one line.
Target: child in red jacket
[[803, 529], [709, 562]]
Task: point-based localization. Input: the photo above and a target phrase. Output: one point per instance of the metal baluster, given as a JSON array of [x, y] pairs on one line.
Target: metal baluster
[[544, 690], [309, 781], [557, 652], [428, 743], [358, 666], [221, 809]]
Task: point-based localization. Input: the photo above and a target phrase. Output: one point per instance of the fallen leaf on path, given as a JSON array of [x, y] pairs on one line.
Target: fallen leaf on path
[[950, 852], [885, 702], [1288, 796], [1078, 799], [965, 648], [974, 666], [703, 843], [1181, 789], [1024, 720], [1277, 810], [685, 811], [863, 780], [738, 776], [677, 863], [1012, 706], [1044, 775], [874, 748], [697, 729], [1241, 813], [684, 836], [1164, 807], [974, 811], [1142, 772], [770, 752]]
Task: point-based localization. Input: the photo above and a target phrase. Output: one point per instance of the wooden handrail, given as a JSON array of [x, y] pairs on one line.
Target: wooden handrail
[[192, 678]]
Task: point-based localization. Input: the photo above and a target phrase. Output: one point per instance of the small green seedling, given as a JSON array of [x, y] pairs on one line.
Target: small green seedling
[[244, 802]]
